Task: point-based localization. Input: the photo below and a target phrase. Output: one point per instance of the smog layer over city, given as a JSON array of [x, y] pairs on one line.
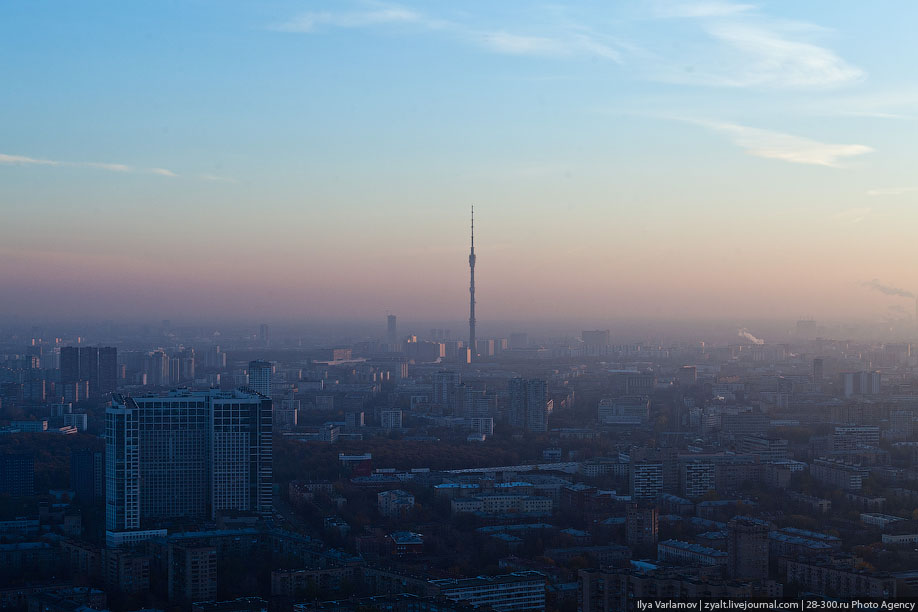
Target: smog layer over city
[[365, 306]]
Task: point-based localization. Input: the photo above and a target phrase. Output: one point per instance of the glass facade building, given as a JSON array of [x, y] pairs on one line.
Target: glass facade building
[[186, 455]]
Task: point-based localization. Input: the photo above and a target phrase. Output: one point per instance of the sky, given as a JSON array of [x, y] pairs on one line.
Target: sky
[[283, 160]]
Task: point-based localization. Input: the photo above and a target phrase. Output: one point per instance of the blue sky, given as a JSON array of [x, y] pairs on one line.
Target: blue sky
[[620, 152]]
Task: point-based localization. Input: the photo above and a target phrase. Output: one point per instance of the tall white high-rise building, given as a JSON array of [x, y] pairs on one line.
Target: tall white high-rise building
[[260, 377], [122, 467], [186, 455]]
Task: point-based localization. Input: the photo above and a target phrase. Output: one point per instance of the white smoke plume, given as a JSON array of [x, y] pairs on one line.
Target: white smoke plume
[[744, 333], [887, 289]]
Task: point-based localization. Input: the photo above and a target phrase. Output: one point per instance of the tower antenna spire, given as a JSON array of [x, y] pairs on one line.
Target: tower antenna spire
[[472, 343]]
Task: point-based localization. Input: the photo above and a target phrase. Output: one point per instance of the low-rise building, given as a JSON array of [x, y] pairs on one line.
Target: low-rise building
[[405, 543], [516, 591], [395, 503], [126, 571], [629, 410], [615, 590], [293, 583], [503, 504], [876, 519], [838, 579], [838, 474], [192, 570], [686, 553]]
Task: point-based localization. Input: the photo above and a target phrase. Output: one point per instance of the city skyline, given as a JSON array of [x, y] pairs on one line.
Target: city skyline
[[403, 306], [131, 180]]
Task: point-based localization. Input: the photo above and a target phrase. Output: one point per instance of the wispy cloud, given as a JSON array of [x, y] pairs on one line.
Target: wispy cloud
[[853, 216], [162, 172], [770, 57], [22, 160], [559, 45], [517, 44], [101, 166], [217, 179], [567, 45], [753, 50], [740, 46], [785, 147], [860, 113], [897, 104], [702, 9], [560, 42], [891, 191], [312, 21]]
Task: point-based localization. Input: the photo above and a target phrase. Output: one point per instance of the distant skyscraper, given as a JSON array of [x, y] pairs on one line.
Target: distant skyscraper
[[596, 337], [642, 527], [444, 386], [390, 419], [860, 383], [70, 364], [17, 474], [76, 392], [469, 402], [108, 369], [87, 474], [260, 377], [33, 386], [181, 367], [596, 342], [646, 480], [186, 455], [747, 548], [158, 369], [192, 574], [697, 478], [807, 329], [529, 404], [391, 331], [89, 366], [215, 358], [285, 415], [519, 340], [687, 375], [818, 369], [264, 335], [472, 344]]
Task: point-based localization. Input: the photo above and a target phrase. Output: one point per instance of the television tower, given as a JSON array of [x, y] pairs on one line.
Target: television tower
[[472, 289]]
